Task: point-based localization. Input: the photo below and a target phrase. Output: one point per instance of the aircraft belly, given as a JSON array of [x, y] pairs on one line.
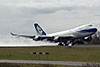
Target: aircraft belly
[[63, 35], [81, 34]]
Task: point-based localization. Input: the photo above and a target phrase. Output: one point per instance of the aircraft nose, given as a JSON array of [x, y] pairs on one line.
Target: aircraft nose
[[94, 29]]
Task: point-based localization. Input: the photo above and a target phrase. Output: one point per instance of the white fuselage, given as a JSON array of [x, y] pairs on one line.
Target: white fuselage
[[81, 31]]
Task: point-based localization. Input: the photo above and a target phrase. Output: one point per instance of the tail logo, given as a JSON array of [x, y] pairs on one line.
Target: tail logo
[[39, 30]]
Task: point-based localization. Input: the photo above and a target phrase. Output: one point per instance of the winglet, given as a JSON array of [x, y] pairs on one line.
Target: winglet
[[13, 34]]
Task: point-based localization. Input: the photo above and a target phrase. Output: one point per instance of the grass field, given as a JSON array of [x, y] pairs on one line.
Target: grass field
[[83, 54]]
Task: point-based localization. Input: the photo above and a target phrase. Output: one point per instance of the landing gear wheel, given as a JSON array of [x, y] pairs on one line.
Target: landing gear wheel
[[66, 44], [60, 44], [73, 44]]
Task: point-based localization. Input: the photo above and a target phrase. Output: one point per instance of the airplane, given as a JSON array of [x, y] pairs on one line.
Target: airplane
[[64, 38]]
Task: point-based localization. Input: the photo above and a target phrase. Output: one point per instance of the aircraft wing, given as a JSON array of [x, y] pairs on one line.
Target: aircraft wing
[[26, 36], [45, 38], [52, 38]]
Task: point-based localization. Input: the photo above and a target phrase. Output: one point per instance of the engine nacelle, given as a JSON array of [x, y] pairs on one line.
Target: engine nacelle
[[56, 39], [36, 38], [87, 38]]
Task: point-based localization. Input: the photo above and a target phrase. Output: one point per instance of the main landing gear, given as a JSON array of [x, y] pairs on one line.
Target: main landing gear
[[61, 44], [66, 44]]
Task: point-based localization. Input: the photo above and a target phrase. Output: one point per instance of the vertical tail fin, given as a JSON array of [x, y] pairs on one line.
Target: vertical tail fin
[[39, 30]]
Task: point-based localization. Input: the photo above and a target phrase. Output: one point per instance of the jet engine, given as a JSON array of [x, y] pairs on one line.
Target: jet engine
[[36, 38], [88, 38]]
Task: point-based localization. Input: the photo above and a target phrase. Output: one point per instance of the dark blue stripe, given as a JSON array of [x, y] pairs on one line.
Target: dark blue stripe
[[88, 30]]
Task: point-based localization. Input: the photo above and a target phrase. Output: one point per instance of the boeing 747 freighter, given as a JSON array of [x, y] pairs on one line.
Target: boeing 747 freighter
[[63, 38]]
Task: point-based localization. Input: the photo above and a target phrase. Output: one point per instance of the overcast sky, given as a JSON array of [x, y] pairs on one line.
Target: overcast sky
[[54, 15]]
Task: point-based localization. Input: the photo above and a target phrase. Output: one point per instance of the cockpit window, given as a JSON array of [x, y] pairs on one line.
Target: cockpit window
[[90, 25]]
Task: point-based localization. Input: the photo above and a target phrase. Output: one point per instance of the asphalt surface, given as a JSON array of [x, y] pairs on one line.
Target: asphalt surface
[[87, 46], [45, 62], [54, 46]]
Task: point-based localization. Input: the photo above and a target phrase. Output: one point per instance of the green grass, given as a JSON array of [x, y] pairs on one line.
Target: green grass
[[33, 65], [83, 54]]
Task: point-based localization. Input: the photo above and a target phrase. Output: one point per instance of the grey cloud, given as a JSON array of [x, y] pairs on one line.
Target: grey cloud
[[24, 8], [20, 12], [19, 15], [44, 6]]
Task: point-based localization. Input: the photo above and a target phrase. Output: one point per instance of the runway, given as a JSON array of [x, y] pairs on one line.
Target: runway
[[87, 46], [49, 46], [45, 62]]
